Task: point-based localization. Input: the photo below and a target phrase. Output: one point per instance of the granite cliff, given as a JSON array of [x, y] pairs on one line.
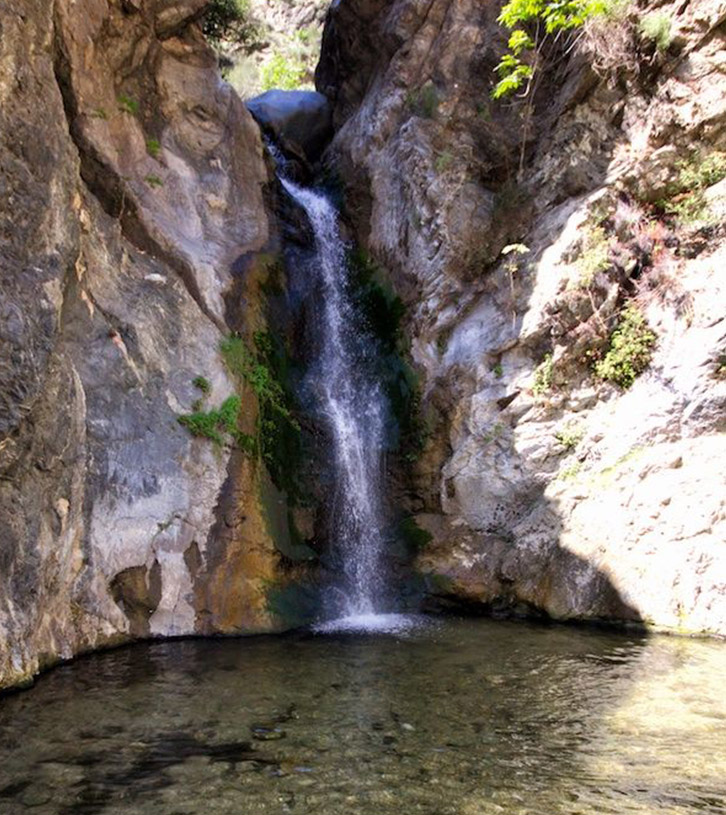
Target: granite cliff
[[132, 220]]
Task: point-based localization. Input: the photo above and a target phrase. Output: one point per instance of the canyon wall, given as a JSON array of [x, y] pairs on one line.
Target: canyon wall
[[132, 206], [521, 234]]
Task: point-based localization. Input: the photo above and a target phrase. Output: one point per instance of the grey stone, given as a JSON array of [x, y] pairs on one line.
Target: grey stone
[[301, 121]]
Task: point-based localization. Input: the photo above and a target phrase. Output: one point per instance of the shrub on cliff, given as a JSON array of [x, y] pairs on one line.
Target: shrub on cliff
[[228, 20], [283, 73], [531, 23], [630, 350]]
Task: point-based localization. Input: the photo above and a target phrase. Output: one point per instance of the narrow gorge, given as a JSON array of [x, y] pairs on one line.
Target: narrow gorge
[[350, 323]]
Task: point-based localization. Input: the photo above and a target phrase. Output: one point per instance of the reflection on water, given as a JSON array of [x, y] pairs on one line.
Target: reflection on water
[[464, 718]]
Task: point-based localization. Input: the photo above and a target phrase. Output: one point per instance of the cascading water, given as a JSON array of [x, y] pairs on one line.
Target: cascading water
[[354, 409]]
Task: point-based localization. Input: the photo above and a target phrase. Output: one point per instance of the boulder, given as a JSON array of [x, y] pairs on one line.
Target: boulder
[[300, 121]]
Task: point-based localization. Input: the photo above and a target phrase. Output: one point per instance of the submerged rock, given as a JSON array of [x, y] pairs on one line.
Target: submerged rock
[[263, 732]]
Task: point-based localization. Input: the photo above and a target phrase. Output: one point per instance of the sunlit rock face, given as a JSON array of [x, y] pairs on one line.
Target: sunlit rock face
[[544, 487], [132, 181]]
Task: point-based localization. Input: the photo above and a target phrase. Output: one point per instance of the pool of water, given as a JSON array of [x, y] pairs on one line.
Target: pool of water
[[456, 718]]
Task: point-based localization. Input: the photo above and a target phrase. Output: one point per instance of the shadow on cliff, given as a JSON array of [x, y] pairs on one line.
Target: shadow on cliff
[[526, 573]]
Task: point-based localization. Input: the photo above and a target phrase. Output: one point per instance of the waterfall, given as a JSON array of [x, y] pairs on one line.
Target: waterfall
[[354, 410]]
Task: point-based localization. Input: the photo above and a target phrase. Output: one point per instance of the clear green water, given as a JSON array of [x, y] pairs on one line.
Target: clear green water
[[461, 718]]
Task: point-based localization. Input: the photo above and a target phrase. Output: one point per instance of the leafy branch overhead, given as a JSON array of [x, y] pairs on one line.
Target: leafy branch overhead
[[530, 23]]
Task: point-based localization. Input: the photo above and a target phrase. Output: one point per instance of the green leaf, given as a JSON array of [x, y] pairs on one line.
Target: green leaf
[[519, 41]]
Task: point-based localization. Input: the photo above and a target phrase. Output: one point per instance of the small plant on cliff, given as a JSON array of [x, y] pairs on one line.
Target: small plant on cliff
[[543, 376], [700, 172], [656, 27], [443, 160], [594, 255], [570, 435], [719, 367], [686, 198], [154, 181], [630, 350], [128, 105], [153, 148], [202, 383], [213, 423]]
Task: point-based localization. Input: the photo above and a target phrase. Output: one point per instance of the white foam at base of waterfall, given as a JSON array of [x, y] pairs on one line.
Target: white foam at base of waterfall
[[374, 624]]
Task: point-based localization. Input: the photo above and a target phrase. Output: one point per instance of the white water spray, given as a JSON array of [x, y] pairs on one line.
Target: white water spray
[[354, 409]]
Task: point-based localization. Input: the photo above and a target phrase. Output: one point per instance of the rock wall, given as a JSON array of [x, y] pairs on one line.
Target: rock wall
[[132, 182], [517, 248]]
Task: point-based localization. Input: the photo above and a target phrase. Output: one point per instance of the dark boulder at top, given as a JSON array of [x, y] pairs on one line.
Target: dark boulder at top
[[300, 121]]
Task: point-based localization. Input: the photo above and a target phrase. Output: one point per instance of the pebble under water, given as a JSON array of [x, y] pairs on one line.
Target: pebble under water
[[456, 718]]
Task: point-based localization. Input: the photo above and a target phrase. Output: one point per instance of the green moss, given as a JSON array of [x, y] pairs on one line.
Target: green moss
[[424, 101], [154, 181], [294, 603], [383, 311], [414, 538], [382, 308], [570, 472], [265, 369], [630, 349], [202, 383], [153, 147], [128, 105], [281, 524], [440, 584], [495, 433], [608, 473]]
